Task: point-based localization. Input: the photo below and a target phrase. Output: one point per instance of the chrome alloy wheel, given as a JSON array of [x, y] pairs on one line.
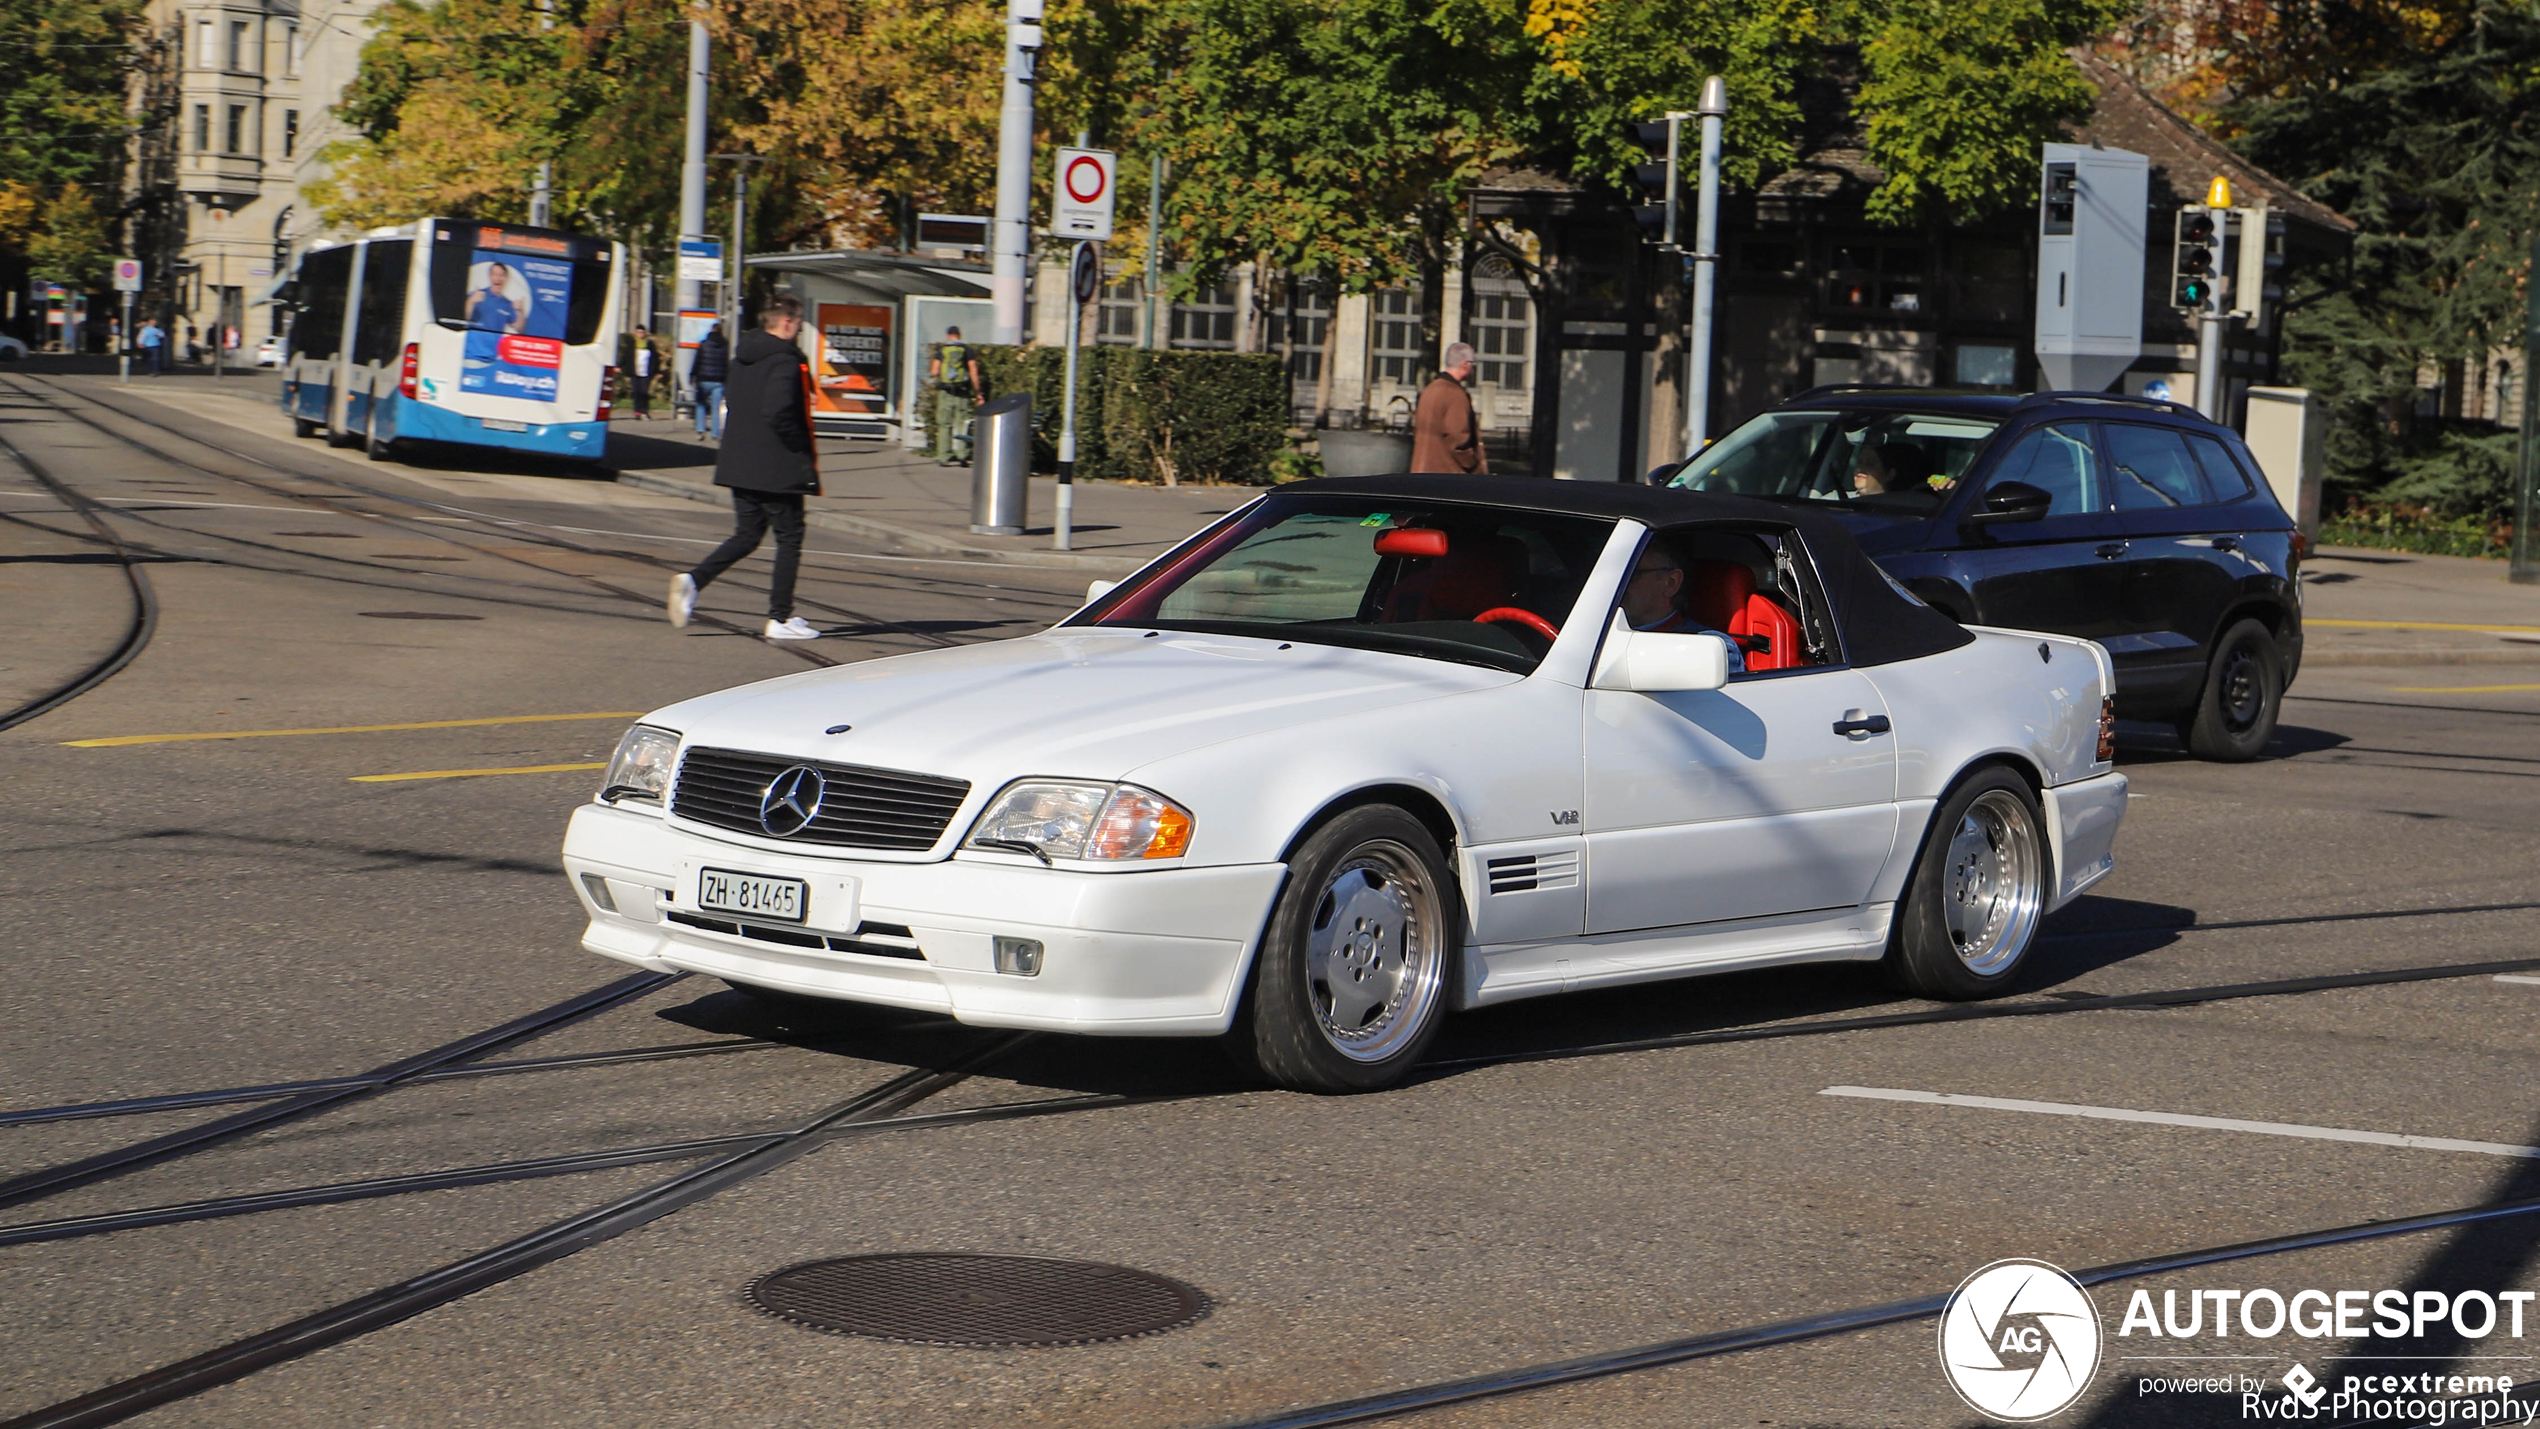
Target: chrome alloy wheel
[[1993, 887], [1373, 968]]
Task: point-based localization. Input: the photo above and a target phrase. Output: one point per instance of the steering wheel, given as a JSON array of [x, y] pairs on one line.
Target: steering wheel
[[1526, 618]]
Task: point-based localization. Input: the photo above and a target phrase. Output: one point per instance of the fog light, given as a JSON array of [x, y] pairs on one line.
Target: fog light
[[1020, 957], [598, 888]]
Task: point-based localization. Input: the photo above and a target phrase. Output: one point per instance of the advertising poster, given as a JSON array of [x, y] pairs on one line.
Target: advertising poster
[[852, 369], [515, 315]]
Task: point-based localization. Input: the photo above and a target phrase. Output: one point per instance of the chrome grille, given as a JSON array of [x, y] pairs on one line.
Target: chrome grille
[[862, 808]]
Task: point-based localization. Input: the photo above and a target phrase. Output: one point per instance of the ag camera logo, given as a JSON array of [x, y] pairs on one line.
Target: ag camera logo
[[2019, 1341]]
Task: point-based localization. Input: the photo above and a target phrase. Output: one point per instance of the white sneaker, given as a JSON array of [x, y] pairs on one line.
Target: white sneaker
[[794, 629], [683, 599]]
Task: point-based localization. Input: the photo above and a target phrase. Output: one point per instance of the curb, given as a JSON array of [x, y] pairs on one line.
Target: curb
[[898, 538]]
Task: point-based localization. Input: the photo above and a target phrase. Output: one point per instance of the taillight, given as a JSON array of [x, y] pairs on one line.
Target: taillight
[[2107, 729], [608, 388], [407, 369], [2301, 547]]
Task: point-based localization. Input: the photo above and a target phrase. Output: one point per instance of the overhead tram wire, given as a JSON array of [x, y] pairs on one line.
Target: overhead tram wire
[[145, 601]]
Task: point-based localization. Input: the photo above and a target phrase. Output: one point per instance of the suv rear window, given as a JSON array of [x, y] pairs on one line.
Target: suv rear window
[[2151, 469], [1877, 463]]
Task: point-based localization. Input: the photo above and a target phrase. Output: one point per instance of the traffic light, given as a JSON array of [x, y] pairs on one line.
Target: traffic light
[[1657, 180], [2198, 248]]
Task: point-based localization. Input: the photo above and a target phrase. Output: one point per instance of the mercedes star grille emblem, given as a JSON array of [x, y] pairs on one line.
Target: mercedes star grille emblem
[[792, 801]]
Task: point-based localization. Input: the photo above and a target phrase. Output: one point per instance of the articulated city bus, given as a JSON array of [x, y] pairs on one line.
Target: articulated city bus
[[442, 330]]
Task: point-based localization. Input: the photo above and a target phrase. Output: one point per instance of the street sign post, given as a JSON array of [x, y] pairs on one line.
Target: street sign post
[[1081, 201], [127, 283], [1084, 284]]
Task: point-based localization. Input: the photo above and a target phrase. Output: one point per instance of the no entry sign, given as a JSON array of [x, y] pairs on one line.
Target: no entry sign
[[1081, 205]]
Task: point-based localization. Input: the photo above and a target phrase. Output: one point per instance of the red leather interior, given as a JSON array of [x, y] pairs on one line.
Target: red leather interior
[[1722, 595], [1477, 573]]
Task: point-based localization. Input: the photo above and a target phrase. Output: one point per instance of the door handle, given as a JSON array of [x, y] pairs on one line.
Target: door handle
[[2226, 543], [1870, 724], [2112, 550]]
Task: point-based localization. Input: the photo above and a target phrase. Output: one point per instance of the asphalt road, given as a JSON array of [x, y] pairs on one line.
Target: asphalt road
[[215, 913]]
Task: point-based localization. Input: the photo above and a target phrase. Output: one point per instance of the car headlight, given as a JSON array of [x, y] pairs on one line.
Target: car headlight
[[641, 767], [1053, 818]]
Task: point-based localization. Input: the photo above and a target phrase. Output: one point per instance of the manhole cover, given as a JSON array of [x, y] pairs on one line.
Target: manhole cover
[[992, 1301], [416, 615]]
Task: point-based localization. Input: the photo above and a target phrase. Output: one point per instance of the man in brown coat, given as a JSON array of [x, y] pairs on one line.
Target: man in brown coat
[[1445, 438]]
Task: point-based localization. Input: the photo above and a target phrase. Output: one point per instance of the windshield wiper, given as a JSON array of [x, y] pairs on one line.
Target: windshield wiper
[[1016, 846]]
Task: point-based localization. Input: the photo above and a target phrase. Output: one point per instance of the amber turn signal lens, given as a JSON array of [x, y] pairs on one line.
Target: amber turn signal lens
[[1172, 833]]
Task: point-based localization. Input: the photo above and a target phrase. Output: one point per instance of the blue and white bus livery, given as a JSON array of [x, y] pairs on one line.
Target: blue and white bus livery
[[442, 330]]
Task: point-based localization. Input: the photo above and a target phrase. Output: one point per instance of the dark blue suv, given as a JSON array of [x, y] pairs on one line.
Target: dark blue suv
[[2130, 521]]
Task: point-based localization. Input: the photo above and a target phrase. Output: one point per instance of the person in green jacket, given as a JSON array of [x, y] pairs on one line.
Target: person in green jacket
[[955, 373]]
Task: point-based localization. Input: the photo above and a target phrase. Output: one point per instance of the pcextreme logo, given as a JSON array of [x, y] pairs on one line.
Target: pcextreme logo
[[2019, 1341]]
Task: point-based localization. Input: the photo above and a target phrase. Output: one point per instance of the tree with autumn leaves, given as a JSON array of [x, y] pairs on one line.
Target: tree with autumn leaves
[[63, 65], [1334, 138]]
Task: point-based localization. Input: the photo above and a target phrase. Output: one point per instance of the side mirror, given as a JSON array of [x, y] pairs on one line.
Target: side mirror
[[1098, 589], [1654, 662], [2008, 501]]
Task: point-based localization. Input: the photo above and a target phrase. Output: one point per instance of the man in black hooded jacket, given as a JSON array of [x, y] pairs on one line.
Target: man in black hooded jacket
[[767, 460]]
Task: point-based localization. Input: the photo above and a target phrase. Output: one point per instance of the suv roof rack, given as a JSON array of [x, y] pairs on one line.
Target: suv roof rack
[[1830, 388], [2120, 399]]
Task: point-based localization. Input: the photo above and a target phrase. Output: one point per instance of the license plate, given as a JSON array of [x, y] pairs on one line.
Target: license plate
[[497, 424], [754, 895]]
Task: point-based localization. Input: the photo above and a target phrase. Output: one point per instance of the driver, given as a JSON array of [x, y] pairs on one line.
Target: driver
[[1890, 466], [1649, 601]]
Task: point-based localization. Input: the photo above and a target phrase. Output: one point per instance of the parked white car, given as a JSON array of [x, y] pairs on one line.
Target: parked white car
[[1369, 750], [269, 352]]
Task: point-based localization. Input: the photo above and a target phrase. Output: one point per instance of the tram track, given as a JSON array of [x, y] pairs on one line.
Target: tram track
[[507, 527], [137, 630]]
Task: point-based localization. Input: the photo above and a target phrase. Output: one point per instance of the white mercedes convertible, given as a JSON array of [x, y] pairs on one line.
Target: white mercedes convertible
[[1369, 750]]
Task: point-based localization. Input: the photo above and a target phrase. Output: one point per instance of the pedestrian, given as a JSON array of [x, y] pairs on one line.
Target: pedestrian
[[639, 374], [1444, 437], [154, 345], [768, 461], [714, 360], [955, 373]]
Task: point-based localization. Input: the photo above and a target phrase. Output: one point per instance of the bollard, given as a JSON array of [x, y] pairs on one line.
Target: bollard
[[1001, 466]]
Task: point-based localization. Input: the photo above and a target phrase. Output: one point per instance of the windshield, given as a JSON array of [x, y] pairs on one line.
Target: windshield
[[1899, 464], [1475, 584]]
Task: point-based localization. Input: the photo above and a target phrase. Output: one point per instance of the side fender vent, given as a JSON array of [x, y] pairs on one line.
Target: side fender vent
[[1525, 873]]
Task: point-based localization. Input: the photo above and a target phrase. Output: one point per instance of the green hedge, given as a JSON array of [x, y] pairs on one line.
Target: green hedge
[[1152, 416], [2400, 528]]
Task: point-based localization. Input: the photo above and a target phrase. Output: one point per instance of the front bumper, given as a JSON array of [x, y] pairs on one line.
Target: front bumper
[[1149, 952]]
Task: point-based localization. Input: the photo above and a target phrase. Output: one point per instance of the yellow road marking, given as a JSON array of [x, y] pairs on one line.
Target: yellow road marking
[[2422, 625], [2458, 689], [345, 729], [472, 773]]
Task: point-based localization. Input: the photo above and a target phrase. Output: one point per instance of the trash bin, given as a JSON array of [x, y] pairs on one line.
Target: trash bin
[[1001, 465]]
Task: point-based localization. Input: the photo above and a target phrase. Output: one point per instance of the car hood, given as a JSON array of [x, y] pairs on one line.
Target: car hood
[[1077, 702]]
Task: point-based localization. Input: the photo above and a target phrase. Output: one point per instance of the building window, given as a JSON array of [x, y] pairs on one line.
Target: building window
[[1987, 365], [1117, 324], [1312, 306], [206, 46], [291, 51], [238, 55], [1395, 342], [202, 128], [237, 135], [290, 132], [1207, 321]]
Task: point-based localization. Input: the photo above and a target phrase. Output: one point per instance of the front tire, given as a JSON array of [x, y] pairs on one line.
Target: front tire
[[1355, 968], [2244, 692], [1978, 892]]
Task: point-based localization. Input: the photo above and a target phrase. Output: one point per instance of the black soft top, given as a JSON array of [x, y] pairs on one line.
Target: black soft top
[[1878, 623]]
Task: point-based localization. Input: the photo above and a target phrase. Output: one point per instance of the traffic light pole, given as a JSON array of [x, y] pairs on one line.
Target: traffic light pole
[[692, 189], [1010, 239], [1705, 258], [2213, 316], [2525, 569]]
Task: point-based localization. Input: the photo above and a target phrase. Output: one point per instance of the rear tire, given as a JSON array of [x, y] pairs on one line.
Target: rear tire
[[372, 446], [1359, 958], [2236, 711], [303, 428], [1978, 891]]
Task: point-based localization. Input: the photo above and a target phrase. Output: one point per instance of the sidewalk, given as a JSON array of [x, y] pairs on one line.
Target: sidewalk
[[903, 501], [2363, 607]]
